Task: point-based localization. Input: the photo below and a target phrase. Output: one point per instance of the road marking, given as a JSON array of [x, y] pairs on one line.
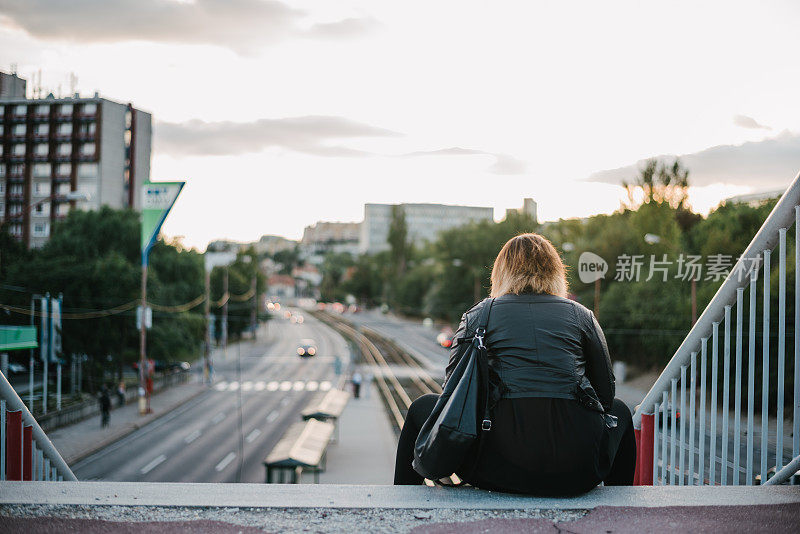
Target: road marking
[[286, 385], [325, 386], [233, 386], [272, 386], [152, 465], [272, 416], [217, 418], [299, 386], [260, 385], [221, 386], [193, 436], [312, 386], [253, 435], [225, 461], [247, 386]]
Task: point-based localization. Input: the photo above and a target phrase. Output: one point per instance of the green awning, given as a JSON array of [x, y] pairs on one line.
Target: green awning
[[17, 338]]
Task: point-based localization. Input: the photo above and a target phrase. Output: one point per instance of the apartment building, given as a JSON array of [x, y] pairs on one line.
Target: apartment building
[[329, 237], [59, 154], [424, 222]]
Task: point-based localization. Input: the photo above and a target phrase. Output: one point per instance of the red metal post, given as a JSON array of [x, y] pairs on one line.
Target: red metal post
[[644, 456], [14, 445], [27, 453], [637, 434]]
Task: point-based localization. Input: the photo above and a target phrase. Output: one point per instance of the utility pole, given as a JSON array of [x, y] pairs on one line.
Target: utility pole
[[45, 349], [144, 399], [225, 312], [207, 368], [254, 312]]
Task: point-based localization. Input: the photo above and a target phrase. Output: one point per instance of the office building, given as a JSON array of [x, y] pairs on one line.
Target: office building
[[529, 207], [58, 154], [423, 221], [329, 237]]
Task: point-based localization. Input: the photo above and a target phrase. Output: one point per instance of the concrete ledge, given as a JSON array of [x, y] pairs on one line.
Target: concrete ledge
[[289, 496]]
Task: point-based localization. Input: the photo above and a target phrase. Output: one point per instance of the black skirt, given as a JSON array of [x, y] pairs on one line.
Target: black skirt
[[543, 446]]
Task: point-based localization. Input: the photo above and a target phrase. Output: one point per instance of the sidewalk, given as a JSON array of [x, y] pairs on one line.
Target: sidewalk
[[78, 441], [366, 448]]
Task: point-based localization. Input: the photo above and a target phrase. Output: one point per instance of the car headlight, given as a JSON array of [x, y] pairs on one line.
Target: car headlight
[[312, 351], [300, 351]]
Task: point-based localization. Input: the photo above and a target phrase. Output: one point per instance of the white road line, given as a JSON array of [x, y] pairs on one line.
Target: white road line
[[325, 386], [225, 461], [284, 401], [247, 386], [221, 386], [217, 418], [272, 416], [233, 386], [286, 385], [193, 436], [299, 386], [312, 386], [273, 386], [260, 385], [152, 465], [253, 435]]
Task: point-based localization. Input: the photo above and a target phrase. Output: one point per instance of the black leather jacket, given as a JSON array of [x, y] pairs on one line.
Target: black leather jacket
[[542, 345]]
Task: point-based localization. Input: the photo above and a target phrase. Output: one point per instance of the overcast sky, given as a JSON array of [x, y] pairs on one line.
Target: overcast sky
[[282, 114]]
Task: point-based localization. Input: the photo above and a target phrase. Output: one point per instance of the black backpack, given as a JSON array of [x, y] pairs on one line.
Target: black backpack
[[449, 441]]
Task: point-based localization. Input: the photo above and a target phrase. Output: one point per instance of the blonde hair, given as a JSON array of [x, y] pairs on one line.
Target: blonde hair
[[529, 262]]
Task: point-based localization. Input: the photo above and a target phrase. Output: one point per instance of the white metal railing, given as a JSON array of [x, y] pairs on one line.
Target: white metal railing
[[25, 451], [681, 442]]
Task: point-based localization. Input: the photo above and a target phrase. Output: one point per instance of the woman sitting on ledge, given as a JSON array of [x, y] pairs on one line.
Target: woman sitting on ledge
[[557, 428]]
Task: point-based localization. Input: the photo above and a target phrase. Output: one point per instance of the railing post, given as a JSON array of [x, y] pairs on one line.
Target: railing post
[[14, 445], [644, 456]]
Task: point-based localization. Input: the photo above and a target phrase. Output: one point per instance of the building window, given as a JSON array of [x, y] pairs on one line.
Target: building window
[[41, 129], [20, 110], [42, 169], [65, 109], [65, 128], [88, 129], [16, 229], [87, 170], [64, 169], [87, 149], [42, 109], [18, 150], [41, 189], [62, 210], [2, 187], [1, 150], [41, 149], [17, 169], [2, 169], [63, 189], [40, 229], [90, 109], [16, 190], [2, 128], [2, 210], [19, 129], [42, 209], [64, 149]]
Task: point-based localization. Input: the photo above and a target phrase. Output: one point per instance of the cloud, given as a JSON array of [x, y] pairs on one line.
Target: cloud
[[241, 25], [770, 163], [503, 164], [308, 134], [749, 122]]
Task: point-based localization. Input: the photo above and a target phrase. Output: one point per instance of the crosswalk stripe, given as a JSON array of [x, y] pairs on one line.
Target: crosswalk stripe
[[312, 386], [247, 386], [286, 385], [260, 385], [272, 386], [298, 386], [221, 386], [325, 386]]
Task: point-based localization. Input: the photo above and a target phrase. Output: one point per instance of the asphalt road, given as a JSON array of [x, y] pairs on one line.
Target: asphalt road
[[200, 442]]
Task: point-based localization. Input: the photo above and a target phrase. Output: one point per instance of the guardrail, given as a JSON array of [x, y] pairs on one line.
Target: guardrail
[[709, 451], [25, 451]]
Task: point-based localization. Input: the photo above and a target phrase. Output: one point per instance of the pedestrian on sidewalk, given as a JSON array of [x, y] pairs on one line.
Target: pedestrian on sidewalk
[[356, 384], [121, 393], [105, 406]]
